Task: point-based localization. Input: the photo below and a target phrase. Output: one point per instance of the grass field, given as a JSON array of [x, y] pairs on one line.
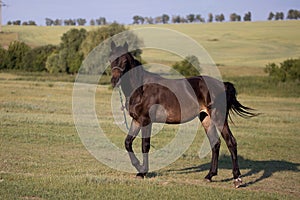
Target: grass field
[[252, 44], [42, 156]]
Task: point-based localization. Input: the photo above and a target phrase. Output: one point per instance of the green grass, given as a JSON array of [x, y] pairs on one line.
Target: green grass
[[250, 44], [42, 156], [264, 86]]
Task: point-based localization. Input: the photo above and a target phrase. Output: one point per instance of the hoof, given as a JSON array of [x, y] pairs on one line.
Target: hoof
[[237, 182], [209, 176], [140, 175], [208, 180]]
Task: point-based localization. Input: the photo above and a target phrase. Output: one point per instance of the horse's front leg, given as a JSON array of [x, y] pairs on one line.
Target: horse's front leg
[[146, 135], [133, 131]]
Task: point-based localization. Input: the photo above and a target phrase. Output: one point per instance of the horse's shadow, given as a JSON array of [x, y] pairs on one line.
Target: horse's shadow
[[268, 167]]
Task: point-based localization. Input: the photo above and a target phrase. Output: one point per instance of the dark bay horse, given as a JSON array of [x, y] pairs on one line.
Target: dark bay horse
[[179, 100]]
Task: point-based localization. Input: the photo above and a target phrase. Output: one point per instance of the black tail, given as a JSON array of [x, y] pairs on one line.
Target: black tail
[[234, 105]]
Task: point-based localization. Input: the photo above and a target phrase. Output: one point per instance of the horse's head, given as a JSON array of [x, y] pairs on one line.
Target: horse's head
[[121, 61]]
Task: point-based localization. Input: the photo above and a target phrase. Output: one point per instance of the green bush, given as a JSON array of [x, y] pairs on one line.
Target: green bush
[[70, 50], [3, 54], [35, 59], [289, 70], [95, 37], [15, 55], [75, 45], [52, 64], [188, 67]]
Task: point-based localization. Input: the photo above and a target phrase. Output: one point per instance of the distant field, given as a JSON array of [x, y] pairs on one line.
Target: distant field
[[240, 44], [7, 37]]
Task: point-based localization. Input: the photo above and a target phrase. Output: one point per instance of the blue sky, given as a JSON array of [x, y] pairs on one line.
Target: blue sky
[[122, 11]]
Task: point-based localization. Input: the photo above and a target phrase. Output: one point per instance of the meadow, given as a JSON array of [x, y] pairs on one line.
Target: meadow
[[42, 156], [243, 44]]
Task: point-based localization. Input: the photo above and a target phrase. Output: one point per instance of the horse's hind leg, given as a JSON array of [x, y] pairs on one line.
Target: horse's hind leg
[[214, 141], [232, 146]]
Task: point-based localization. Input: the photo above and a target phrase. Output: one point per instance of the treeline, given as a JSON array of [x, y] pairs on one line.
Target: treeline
[[19, 22], [74, 22], [191, 18], [67, 57], [197, 18], [292, 14]]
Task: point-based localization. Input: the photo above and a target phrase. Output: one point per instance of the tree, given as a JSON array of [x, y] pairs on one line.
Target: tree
[[81, 22], [68, 57], [210, 17], [176, 19], [188, 67], [165, 18], [220, 18], [95, 37], [136, 19], [190, 18], [15, 55], [183, 20], [70, 49], [101, 21], [149, 20], [49, 22], [199, 18], [35, 59], [92, 22], [271, 16], [279, 16], [247, 16], [142, 20], [52, 64], [70, 22], [3, 56], [31, 23], [293, 14], [158, 20], [57, 22], [235, 17], [17, 22]]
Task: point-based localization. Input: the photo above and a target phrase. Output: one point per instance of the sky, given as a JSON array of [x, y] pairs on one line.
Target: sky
[[122, 11]]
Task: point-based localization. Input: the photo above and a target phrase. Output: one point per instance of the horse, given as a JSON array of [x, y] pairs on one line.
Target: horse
[[179, 100]]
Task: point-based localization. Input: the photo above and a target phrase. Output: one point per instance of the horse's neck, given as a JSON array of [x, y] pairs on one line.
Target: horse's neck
[[126, 87], [127, 84]]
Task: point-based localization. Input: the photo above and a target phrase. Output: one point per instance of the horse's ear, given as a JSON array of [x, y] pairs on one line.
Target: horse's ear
[[125, 46], [113, 45]]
